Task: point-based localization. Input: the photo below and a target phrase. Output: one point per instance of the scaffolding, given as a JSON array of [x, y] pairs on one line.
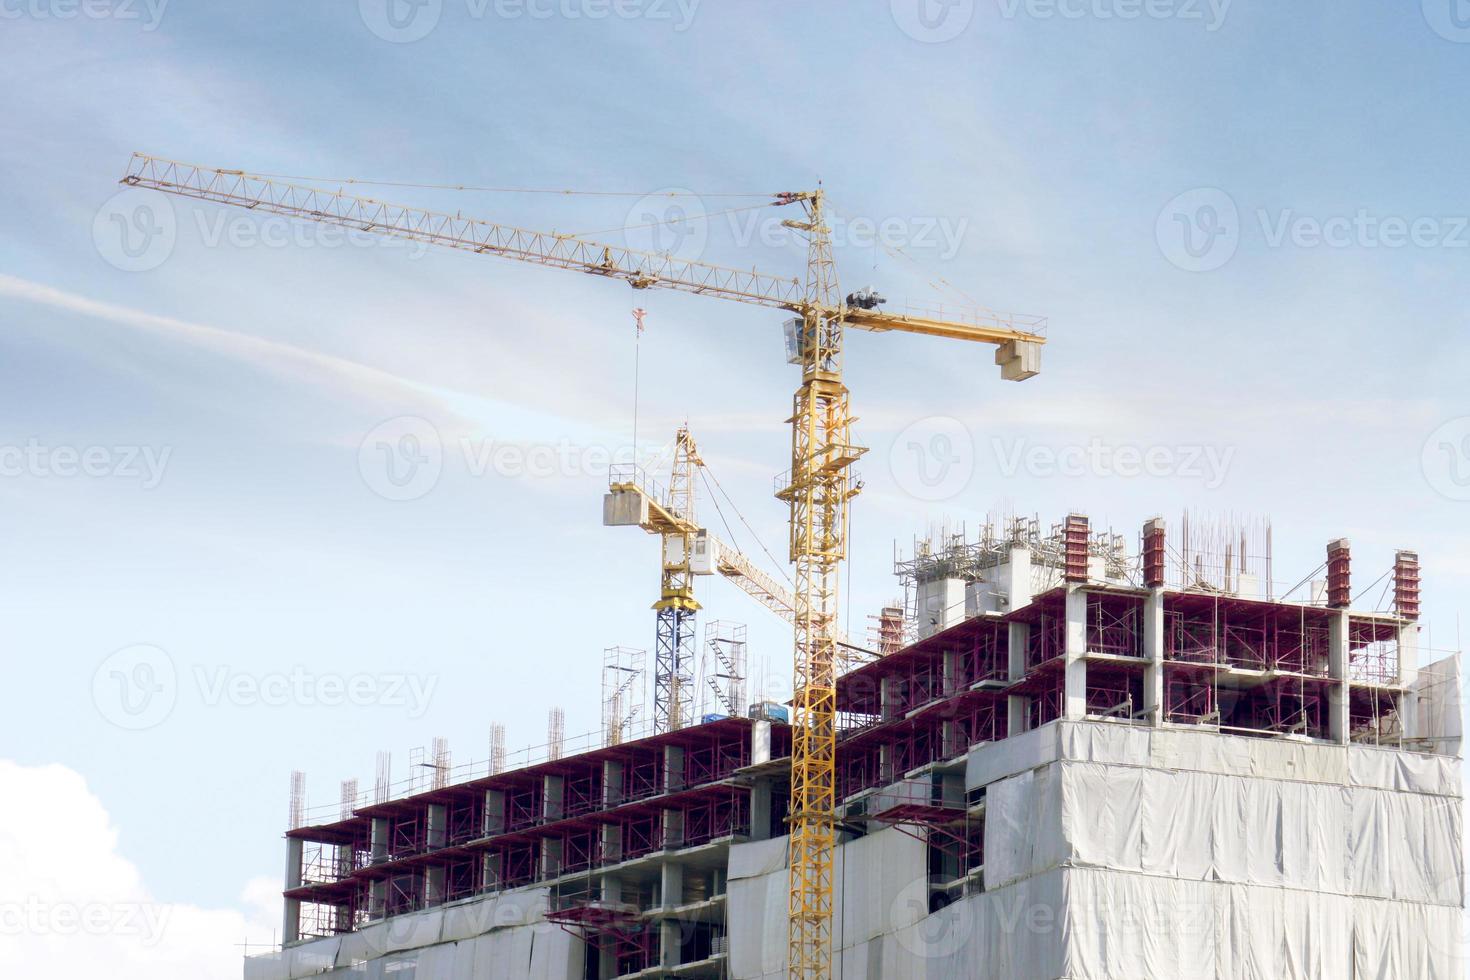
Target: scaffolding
[[724, 667], [622, 692]]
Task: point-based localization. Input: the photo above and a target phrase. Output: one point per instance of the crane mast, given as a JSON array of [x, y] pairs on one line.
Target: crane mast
[[819, 492], [674, 644], [818, 488]]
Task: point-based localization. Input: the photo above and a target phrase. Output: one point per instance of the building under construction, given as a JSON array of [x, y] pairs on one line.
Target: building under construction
[[1074, 755]]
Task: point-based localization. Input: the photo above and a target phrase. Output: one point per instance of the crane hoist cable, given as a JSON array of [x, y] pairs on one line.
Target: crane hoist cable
[[778, 565]]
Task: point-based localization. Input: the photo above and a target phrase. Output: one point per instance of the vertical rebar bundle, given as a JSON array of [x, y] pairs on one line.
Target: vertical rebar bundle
[[556, 733]]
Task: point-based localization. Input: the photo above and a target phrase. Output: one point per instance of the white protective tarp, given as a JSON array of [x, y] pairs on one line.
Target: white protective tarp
[[555, 953], [1016, 933], [882, 885], [993, 761], [314, 958], [1023, 832], [1441, 695], [757, 858]]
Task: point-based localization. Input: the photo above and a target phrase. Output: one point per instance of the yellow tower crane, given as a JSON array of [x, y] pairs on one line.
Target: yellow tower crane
[[818, 488], [687, 551]]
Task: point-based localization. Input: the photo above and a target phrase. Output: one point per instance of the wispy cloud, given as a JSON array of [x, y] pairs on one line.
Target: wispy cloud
[[464, 413]]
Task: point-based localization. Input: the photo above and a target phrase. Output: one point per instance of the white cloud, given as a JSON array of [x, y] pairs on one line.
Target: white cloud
[[71, 906]]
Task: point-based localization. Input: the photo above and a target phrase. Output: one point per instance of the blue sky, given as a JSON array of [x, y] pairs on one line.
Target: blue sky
[[1309, 335]]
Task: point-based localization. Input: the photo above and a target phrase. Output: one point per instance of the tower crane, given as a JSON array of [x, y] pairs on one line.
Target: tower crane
[[818, 488], [688, 551]]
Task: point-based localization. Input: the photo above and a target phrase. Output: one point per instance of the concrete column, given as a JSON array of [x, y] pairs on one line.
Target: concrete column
[[291, 922], [1018, 706], [1153, 649], [1075, 702], [941, 604], [1408, 676], [494, 812], [438, 825], [1337, 667], [671, 933], [380, 839], [612, 843], [761, 792], [377, 899], [673, 829], [889, 699], [760, 742], [434, 878], [551, 857], [612, 782], [954, 673], [673, 768], [672, 885], [611, 894], [1017, 580], [553, 797]]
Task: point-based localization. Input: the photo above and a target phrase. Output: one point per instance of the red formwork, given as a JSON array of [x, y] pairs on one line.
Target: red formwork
[[944, 729], [1246, 633], [1046, 640], [916, 674], [1114, 690], [716, 818], [986, 658], [1189, 694], [1373, 716], [1285, 706], [916, 808], [466, 819], [614, 928], [537, 842], [1373, 651], [1115, 624]]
